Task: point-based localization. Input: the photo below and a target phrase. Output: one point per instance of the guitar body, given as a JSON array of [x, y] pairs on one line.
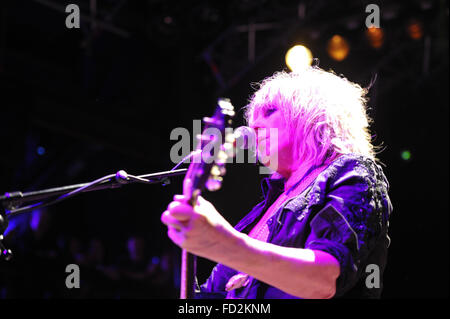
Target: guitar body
[[205, 171]]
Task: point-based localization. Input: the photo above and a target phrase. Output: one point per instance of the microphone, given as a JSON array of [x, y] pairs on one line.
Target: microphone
[[245, 137]]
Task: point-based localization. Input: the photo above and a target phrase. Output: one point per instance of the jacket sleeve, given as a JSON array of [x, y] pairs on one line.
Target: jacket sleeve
[[348, 223], [214, 287]]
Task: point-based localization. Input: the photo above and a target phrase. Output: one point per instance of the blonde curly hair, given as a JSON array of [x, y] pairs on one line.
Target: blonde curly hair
[[326, 113]]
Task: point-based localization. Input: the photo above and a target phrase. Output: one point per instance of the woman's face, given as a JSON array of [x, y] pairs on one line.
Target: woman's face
[[273, 142]]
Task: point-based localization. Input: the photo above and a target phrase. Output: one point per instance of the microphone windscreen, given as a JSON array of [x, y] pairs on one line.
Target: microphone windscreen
[[245, 137]]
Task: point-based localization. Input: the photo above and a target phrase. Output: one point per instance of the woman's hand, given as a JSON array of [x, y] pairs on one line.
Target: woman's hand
[[200, 230]]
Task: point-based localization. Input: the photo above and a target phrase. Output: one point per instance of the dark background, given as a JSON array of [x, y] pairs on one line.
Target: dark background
[[78, 104]]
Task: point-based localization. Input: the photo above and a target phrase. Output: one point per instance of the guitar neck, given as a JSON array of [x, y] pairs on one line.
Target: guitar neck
[[188, 264], [188, 273], [205, 171]]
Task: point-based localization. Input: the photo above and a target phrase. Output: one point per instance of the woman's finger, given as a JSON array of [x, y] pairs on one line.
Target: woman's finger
[[180, 198], [180, 211], [176, 236], [170, 221]]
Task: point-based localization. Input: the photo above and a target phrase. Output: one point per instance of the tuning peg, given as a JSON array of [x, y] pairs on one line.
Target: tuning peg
[[227, 107], [230, 137], [228, 149], [202, 138], [218, 170], [212, 121], [221, 157], [215, 170], [214, 183]]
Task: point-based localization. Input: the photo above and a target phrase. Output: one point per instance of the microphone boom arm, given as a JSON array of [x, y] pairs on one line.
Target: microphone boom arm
[[11, 203]]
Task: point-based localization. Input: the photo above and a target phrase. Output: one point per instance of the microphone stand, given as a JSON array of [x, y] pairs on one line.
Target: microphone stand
[[11, 202]]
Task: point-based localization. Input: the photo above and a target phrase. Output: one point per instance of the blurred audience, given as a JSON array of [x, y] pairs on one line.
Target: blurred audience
[[34, 270], [41, 255], [144, 276]]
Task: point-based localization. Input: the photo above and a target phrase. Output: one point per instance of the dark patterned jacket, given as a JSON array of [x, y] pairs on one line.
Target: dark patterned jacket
[[343, 212]]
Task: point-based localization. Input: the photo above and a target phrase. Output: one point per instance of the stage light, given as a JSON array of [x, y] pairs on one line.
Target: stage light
[[338, 48], [375, 37], [40, 150], [415, 30], [406, 155], [298, 57]]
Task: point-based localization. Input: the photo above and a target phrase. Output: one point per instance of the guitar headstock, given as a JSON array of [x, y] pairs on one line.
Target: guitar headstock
[[214, 147]]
